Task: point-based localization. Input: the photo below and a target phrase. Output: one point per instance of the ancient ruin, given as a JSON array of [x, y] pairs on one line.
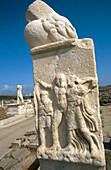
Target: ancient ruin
[[21, 106], [19, 94], [65, 92]]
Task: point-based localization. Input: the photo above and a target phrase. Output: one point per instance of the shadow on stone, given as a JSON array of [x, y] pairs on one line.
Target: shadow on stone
[[34, 165]]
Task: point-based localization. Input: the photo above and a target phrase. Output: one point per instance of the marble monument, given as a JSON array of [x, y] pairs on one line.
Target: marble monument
[[65, 92]]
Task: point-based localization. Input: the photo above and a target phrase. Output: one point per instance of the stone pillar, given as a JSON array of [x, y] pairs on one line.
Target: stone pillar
[[65, 95], [2, 105]]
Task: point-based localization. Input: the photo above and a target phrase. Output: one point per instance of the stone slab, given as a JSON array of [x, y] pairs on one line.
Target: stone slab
[[8, 163], [20, 153], [32, 145], [32, 131], [16, 143], [3, 153], [108, 159], [57, 165], [32, 138]]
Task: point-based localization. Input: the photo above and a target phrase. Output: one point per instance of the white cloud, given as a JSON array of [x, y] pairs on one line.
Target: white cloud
[[13, 89], [6, 87]]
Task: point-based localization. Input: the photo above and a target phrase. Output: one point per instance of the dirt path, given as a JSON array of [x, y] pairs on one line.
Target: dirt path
[[8, 135]]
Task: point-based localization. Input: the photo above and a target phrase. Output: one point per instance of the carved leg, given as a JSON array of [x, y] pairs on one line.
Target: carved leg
[[69, 147], [55, 124], [88, 136], [69, 124], [55, 137], [42, 138]]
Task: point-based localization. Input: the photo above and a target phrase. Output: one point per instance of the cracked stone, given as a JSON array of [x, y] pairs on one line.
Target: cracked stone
[[20, 153]]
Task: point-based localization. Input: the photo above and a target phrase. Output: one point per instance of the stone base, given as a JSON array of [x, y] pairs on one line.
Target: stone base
[[56, 165], [21, 108], [70, 156]]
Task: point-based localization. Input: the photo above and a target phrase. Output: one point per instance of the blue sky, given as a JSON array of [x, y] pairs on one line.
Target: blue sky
[[91, 18]]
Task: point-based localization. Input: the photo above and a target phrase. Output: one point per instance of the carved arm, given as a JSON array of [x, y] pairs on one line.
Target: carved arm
[[45, 85]]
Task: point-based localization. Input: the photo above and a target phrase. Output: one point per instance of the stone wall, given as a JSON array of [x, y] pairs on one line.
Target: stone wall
[[105, 95], [14, 97]]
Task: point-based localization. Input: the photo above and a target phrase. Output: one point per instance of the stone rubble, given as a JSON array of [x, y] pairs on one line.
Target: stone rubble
[[16, 143], [14, 158], [8, 163], [20, 153], [105, 95], [21, 149]]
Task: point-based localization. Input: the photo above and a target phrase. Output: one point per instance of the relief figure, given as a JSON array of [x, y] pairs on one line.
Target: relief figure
[[44, 116], [80, 120], [69, 101], [60, 111], [59, 92]]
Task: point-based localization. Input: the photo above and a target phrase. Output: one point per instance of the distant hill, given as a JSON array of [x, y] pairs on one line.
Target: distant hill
[[105, 87], [105, 95]]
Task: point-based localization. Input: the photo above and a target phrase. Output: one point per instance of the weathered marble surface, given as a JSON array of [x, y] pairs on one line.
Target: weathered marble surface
[[65, 92], [46, 26], [66, 102]]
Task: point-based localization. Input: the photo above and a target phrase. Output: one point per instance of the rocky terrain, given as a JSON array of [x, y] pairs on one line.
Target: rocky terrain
[[105, 95]]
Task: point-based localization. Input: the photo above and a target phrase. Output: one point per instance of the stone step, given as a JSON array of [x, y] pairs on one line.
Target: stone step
[[31, 132], [3, 153], [33, 145], [20, 153], [8, 163]]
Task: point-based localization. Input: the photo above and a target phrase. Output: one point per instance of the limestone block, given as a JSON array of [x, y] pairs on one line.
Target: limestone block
[[16, 108], [66, 102], [33, 145], [57, 165], [16, 143], [65, 95]]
